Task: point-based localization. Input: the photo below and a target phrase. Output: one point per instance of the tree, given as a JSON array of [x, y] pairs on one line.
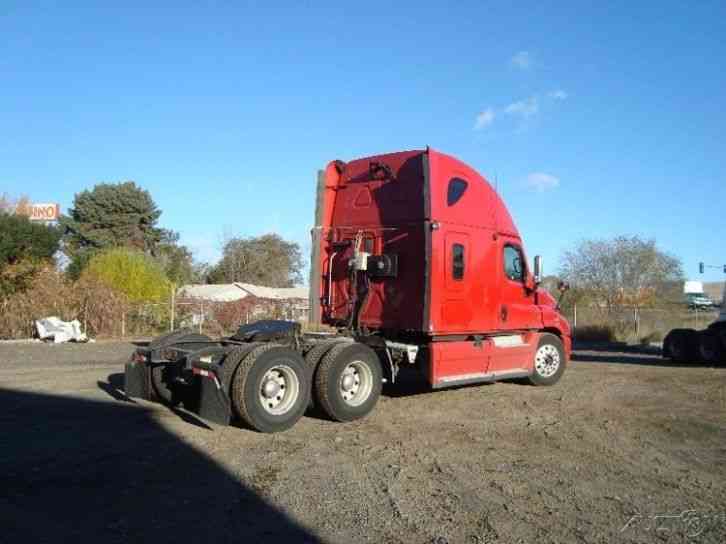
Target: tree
[[112, 215], [623, 271], [138, 276], [14, 206], [177, 262], [25, 247], [21, 238], [263, 260]]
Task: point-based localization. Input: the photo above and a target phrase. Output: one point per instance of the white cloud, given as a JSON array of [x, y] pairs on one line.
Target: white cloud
[[484, 119], [525, 108], [541, 182], [522, 60]]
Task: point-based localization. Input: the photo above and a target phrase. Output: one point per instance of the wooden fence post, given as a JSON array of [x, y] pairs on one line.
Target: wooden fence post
[[173, 296], [201, 315]]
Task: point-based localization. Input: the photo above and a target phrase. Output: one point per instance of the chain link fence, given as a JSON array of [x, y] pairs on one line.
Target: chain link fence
[[206, 317], [644, 325]]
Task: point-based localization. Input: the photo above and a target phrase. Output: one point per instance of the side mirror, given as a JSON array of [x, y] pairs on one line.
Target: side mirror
[[538, 269]]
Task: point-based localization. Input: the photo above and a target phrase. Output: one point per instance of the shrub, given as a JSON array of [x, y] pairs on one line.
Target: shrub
[[49, 293], [130, 272], [594, 333]]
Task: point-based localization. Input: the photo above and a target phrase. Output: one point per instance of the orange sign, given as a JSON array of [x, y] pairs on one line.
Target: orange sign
[[43, 212]]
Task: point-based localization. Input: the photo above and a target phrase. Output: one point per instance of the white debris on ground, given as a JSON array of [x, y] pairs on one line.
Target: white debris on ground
[[53, 328]]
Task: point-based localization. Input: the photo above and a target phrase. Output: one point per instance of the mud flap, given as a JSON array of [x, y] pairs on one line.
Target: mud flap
[[137, 382], [214, 404]]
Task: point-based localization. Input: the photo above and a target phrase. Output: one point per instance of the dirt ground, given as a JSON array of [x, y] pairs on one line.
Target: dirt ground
[[626, 448]]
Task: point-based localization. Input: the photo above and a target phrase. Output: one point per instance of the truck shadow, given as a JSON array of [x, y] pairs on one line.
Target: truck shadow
[[78, 470], [114, 387]]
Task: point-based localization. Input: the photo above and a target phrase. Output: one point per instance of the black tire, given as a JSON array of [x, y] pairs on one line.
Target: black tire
[[360, 363], [232, 360], [549, 361], [681, 346], [247, 387], [318, 351], [709, 347], [720, 330], [312, 360]]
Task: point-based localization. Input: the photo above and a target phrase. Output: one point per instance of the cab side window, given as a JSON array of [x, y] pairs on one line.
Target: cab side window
[[513, 263], [457, 262]]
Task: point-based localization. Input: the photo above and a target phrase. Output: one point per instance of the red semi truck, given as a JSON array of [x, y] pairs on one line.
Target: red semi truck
[[416, 262]]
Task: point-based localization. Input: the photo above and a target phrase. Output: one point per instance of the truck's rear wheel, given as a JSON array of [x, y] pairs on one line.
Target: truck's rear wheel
[[348, 381], [549, 361], [271, 388], [681, 345], [313, 358], [318, 351], [709, 347]]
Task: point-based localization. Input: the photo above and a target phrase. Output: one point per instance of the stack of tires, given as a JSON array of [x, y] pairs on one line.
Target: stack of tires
[[690, 346]]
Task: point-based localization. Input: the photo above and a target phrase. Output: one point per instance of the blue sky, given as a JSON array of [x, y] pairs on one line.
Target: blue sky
[[595, 121]]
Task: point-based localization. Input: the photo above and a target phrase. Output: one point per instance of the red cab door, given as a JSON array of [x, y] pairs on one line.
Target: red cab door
[[517, 309], [456, 307]]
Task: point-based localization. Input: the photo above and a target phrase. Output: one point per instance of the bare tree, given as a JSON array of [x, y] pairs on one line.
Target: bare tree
[[263, 260], [11, 205], [623, 271]]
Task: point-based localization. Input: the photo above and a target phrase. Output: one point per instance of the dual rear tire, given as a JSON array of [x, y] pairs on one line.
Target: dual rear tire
[[271, 386], [348, 381]]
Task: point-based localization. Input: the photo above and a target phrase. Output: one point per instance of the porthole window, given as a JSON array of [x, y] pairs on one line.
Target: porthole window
[[457, 188]]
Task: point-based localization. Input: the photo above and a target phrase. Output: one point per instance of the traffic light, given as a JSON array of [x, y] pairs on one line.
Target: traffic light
[[724, 269], [700, 267]]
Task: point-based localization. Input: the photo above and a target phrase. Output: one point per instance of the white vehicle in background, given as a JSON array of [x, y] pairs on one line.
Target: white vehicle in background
[[699, 301], [695, 297], [689, 345]]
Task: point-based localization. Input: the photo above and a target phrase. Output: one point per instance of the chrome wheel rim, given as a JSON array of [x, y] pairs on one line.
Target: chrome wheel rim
[[356, 383], [547, 360], [279, 390]]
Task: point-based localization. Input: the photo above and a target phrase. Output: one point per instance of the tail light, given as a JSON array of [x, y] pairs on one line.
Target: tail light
[[138, 357]]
